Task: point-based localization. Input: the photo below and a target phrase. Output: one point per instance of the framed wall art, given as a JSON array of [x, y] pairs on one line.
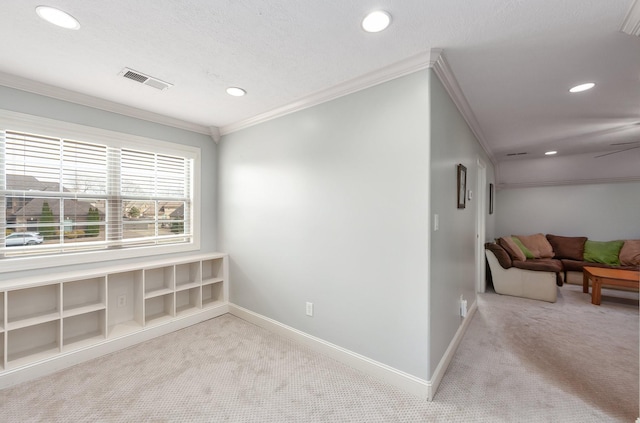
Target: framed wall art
[[490, 198], [462, 186]]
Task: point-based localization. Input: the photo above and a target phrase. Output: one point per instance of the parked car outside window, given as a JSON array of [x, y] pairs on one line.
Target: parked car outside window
[[23, 238]]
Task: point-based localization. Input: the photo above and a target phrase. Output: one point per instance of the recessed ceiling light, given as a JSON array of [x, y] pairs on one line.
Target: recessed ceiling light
[[57, 17], [376, 21], [551, 153], [236, 92], [582, 87]]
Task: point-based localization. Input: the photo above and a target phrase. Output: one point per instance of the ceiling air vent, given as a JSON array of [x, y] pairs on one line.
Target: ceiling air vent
[[144, 79], [516, 154]]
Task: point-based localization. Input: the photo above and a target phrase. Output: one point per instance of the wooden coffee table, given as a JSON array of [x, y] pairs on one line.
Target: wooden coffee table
[[603, 275]]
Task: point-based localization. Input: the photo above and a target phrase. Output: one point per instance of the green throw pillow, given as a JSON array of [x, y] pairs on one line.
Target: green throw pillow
[[603, 252], [528, 254]]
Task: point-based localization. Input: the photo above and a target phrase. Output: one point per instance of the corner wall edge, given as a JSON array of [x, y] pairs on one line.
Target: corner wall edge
[[445, 75]]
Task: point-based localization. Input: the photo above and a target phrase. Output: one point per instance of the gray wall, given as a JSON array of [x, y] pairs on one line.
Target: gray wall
[[453, 246], [330, 205], [601, 212], [38, 105], [574, 169]]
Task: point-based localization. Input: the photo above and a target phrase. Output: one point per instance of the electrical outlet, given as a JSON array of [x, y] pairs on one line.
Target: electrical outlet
[[122, 300], [309, 309]]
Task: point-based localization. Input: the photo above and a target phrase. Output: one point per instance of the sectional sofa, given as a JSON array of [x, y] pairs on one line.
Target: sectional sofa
[[532, 266]]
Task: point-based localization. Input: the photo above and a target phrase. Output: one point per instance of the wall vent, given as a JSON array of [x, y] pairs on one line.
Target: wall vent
[[144, 79]]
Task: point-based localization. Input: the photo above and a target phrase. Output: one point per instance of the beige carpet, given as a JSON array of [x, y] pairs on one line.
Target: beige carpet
[[521, 361]]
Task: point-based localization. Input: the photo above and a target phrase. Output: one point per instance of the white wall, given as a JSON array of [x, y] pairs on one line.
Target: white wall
[[453, 246], [601, 212], [38, 105], [330, 205]]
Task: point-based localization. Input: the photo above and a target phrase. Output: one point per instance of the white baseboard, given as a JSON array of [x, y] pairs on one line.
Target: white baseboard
[[409, 383], [438, 374], [380, 371], [64, 360]]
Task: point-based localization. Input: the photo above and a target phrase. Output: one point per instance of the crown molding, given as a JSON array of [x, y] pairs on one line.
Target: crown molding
[[214, 133], [444, 73], [631, 23], [24, 84], [433, 58], [396, 70], [566, 182]]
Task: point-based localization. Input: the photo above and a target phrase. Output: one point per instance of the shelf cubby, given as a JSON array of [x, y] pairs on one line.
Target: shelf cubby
[[83, 296], [124, 303], [33, 343], [212, 294], [83, 330], [187, 275], [158, 309], [212, 270], [158, 281], [32, 306], [187, 301]]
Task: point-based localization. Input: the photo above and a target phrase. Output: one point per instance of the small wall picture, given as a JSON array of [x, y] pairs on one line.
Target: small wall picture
[[462, 186], [490, 198]]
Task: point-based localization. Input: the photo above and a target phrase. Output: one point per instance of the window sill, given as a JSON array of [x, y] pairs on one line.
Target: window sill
[[16, 264]]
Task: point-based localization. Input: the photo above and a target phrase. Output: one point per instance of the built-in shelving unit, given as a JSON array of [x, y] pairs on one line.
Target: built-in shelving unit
[[57, 316]]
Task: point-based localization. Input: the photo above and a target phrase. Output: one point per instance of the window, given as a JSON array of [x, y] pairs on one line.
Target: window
[[85, 191]]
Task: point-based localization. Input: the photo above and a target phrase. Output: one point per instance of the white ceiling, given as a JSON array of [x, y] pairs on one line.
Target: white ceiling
[[514, 61]]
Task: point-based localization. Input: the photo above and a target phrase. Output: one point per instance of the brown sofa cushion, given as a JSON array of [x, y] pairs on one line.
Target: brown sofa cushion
[[537, 244], [545, 265], [577, 266], [573, 265], [503, 257], [566, 247], [512, 248], [630, 253]]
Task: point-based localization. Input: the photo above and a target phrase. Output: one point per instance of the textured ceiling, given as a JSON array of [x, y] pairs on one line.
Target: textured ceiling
[[513, 59]]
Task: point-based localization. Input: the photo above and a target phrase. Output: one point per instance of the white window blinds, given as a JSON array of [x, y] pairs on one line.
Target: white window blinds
[[83, 195], [146, 175]]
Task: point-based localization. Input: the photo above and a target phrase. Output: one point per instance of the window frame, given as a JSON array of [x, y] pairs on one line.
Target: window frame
[[21, 122]]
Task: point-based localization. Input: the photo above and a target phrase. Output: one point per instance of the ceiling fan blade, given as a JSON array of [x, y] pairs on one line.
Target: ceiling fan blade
[[617, 151], [626, 143]]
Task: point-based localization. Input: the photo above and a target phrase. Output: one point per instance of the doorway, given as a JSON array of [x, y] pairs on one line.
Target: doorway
[[481, 215]]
